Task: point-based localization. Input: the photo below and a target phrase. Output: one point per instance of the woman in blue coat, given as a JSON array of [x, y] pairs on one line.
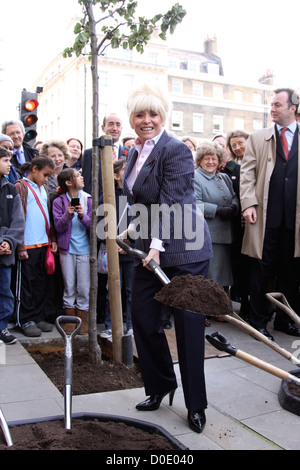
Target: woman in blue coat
[[159, 185], [219, 203]]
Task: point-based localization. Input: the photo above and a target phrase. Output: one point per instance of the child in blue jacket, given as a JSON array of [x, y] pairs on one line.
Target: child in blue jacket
[[12, 225]]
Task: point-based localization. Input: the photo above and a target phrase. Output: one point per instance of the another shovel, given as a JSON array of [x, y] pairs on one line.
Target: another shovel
[[233, 318], [283, 305], [68, 363], [5, 429], [222, 344]]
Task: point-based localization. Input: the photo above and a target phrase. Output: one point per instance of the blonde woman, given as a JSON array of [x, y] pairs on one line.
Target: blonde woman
[[59, 152], [160, 171]]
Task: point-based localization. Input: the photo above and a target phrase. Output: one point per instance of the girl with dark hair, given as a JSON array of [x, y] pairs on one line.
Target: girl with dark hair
[[72, 209], [39, 233]]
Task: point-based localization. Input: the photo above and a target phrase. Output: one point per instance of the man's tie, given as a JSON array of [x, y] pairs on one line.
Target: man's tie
[[284, 142], [114, 153], [19, 157]]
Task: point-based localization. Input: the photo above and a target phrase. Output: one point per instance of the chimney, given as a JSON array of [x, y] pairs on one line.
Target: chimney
[[267, 79], [210, 45]]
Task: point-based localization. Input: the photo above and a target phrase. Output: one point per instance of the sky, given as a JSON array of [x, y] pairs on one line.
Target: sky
[[253, 37]]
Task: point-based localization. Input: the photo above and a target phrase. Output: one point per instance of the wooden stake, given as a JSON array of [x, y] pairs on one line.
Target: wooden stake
[[114, 286]]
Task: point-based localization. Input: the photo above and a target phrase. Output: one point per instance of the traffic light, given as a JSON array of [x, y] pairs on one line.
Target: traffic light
[[28, 115]]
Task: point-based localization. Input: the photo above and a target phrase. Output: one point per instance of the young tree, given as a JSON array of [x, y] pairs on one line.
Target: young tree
[[116, 26]]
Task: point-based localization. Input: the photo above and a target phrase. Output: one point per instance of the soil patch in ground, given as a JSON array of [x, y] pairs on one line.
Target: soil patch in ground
[[197, 294], [85, 434], [88, 377]]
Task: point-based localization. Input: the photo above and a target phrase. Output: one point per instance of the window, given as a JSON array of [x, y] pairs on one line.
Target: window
[[257, 98], [198, 89], [218, 124], [198, 122], [213, 69], [177, 86], [103, 80], [239, 123], [177, 120], [217, 92], [103, 109], [128, 81], [257, 124], [128, 55], [173, 64], [153, 58], [238, 96], [193, 66]]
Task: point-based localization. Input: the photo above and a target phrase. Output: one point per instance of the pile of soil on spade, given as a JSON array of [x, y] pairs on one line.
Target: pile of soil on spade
[[85, 434], [197, 294], [87, 377]]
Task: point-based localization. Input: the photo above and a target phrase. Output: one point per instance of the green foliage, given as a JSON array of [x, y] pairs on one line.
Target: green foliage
[[119, 26]]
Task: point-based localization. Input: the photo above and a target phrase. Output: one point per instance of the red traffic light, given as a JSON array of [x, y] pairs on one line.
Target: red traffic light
[[28, 114], [31, 105]]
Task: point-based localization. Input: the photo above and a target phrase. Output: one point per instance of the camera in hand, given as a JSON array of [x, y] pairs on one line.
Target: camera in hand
[[75, 201]]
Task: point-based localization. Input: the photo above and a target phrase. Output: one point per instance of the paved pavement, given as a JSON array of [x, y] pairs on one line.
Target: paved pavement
[[243, 412]]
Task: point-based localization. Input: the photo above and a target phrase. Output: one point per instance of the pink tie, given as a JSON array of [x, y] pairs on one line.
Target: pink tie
[[114, 153], [284, 142]]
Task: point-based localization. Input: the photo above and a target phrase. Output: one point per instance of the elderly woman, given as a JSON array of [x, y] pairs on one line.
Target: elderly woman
[[59, 152], [236, 142], [160, 174], [191, 143], [214, 191]]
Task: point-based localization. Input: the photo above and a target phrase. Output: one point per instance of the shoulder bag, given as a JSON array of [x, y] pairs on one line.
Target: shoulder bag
[[49, 259]]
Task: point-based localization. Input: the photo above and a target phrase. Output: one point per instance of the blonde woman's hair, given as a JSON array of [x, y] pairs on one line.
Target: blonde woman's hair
[[148, 98], [60, 144]]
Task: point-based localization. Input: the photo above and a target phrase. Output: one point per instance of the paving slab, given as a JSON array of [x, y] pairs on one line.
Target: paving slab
[[243, 409]]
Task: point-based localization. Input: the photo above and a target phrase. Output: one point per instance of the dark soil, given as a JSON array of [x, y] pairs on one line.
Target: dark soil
[[88, 377], [294, 389], [94, 433], [197, 294]]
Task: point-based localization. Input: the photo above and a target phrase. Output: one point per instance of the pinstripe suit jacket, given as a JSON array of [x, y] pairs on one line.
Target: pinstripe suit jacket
[[166, 181]]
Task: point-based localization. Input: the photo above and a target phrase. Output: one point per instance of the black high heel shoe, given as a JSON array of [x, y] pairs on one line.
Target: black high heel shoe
[[196, 420], [153, 402]]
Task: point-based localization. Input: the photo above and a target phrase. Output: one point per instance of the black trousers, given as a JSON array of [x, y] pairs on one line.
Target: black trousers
[[33, 287], [278, 266], [152, 346]]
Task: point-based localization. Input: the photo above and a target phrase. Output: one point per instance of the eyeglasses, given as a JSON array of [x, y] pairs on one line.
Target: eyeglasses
[[210, 159]]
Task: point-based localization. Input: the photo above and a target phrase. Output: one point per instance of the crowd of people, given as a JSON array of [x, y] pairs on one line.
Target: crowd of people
[[242, 192]]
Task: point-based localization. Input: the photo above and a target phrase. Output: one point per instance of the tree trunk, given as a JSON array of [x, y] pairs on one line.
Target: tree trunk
[[94, 348]]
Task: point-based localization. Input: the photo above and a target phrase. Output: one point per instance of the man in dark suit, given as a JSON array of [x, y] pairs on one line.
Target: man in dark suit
[[22, 151], [269, 192], [112, 125]]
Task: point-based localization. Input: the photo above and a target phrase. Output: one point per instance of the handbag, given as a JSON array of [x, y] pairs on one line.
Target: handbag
[[49, 258], [49, 261], [102, 259]]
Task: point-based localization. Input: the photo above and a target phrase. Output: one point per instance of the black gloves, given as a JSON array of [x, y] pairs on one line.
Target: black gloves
[[225, 212]]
